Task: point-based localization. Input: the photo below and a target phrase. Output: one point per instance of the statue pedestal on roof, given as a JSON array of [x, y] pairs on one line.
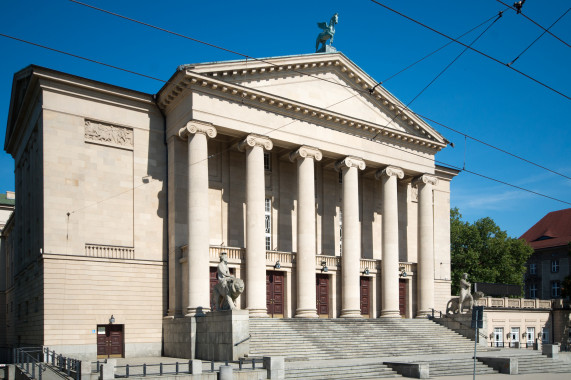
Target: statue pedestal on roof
[[327, 49]]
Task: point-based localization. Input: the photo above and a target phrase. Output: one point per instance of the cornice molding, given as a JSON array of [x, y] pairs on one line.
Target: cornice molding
[[194, 127], [217, 82], [350, 162], [425, 179], [390, 171], [306, 152], [253, 140]]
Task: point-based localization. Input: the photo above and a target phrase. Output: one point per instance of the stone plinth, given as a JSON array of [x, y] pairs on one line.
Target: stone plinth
[[218, 332], [180, 337], [461, 323]]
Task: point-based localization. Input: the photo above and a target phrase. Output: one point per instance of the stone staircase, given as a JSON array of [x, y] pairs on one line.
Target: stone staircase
[[311, 339], [534, 362], [340, 370], [456, 367]]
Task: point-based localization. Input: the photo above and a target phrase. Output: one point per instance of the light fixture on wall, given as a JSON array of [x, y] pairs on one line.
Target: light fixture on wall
[[366, 272], [277, 265], [324, 266], [112, 319]]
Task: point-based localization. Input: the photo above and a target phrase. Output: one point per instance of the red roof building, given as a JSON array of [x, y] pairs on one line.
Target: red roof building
[[551, 262]]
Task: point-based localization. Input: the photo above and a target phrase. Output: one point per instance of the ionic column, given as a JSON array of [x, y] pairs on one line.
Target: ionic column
[[390, 261], [198, 215], [254, 146], [306, 234], [425, 266], [351, 255]]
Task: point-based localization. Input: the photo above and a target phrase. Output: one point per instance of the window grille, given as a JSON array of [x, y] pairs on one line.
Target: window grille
[[268, 223]]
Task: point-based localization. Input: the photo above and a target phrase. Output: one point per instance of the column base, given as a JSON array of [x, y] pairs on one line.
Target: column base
[[423, 313], [350, 314], [390, 314], [196, 311], [258, 313], [306, 313]]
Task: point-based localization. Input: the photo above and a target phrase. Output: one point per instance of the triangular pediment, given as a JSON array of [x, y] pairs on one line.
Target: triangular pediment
[[328, 82]]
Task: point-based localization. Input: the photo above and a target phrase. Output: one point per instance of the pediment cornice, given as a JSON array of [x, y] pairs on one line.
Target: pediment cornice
[[218, 84]]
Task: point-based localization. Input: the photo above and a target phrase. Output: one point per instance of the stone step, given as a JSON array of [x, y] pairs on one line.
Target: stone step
[[336, 371]]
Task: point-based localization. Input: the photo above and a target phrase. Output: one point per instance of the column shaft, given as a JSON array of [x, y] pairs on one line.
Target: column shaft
[[390, 261], [351, 255], [306, 232], [425, 264], [255, 227], [198, 217]]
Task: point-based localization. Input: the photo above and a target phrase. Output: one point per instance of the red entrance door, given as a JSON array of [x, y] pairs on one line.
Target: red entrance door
[[275, 293], [402, 297], [110, 341], [322, 292], [365, 295]]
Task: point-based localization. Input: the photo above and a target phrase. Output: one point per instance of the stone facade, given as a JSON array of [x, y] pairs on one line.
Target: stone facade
[[125, 200]]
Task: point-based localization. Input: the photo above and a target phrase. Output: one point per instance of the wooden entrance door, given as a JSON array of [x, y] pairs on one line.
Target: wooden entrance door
[[275, 293], [402, 297], [110, 341], [214, 281], [365, 295], [322, 292]]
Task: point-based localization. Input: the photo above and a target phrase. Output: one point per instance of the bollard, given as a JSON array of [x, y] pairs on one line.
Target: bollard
[[190, 366], [225, 372], [53, 357], [33, 370], [240, 363], [144, 369], [176, 368], [161, 368], [127, 370], [253, 363], [212, 366], [40, 371]]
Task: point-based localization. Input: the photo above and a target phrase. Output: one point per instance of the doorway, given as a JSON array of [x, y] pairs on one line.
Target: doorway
[[322, 292], [402, 297], [110, 341], [365, 295], [275, 293]]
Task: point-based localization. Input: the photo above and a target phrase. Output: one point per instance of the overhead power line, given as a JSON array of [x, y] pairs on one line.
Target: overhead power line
[[272, 130], [471, 48], [518, 11], [541, 35]]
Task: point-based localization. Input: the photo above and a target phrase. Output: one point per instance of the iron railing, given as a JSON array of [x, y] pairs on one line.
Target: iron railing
[[34, 361]]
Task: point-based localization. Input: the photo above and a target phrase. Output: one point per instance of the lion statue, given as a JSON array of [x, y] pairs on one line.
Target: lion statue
[[224, 293], [453, 306]]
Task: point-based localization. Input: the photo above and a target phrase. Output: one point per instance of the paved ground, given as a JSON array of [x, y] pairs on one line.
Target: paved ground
[[530, 376]]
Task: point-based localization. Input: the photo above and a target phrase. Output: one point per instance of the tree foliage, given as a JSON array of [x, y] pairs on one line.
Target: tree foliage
[[485, 252]]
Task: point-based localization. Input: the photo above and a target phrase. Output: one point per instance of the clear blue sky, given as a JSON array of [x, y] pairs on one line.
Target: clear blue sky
[[476, 95]]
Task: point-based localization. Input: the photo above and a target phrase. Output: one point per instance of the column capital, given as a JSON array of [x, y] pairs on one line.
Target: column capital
[[253, 140], [425, 179], [350, 162], [306, 152], [390, 171], [194, 127]]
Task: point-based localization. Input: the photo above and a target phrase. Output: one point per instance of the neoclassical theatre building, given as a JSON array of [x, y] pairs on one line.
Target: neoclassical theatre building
[[319, 184]]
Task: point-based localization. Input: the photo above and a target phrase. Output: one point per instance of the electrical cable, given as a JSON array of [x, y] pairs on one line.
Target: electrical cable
[[541, 35], [471, 48], [275, 129], [440, 73], [432, 53], [521, 13], [340, 84]]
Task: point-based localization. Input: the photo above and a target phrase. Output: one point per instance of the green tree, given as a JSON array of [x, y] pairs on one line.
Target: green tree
[[485, 252]]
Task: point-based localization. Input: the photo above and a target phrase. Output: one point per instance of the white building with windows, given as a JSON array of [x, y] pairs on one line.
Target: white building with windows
[[125, 201]]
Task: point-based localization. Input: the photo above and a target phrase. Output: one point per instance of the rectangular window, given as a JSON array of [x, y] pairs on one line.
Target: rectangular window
[[532, 268], [554, 266], [532, 291], [268, 224], [555, 289], [267, 162], [530, 338], [498, 336]]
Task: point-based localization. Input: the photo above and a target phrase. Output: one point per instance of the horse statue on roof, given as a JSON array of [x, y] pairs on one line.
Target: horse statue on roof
[[327, 34]]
